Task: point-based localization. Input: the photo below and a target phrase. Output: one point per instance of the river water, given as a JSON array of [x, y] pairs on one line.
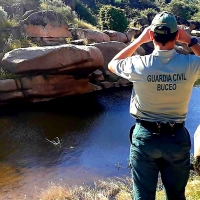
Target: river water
[[69, 141]]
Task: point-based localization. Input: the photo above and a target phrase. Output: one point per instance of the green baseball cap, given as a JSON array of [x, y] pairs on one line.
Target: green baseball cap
[[164, 23]]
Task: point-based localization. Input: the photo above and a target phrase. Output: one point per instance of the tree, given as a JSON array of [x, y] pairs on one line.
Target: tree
[[112, 18], [182, 9], [149, 13], [132, 12], [143, 4]]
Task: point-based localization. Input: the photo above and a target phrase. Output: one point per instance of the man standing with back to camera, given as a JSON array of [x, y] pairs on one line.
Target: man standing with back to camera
[[163, 82]]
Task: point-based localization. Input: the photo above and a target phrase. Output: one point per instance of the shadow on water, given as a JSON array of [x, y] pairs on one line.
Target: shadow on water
[[25, 126]]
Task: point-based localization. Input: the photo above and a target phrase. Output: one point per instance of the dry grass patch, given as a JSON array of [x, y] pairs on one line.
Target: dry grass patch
[[192, 190], [55, 192], [111, 189], [84, 25]]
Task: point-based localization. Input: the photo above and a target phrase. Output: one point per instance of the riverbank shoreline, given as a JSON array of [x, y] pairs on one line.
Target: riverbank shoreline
[[113, 188]]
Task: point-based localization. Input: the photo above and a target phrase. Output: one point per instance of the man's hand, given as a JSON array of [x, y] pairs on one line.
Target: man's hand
[[197, 164], [183, 36], [145, 35], [131, 48]]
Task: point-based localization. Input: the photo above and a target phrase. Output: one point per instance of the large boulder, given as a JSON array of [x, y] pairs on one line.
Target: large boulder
[[8, 85], [43, 88], [133, 33], [62, 59], [11, 96], [52, 86], [109, 50], [88, 34], [117, 36], [195, 33], [27, 13], [46, 24], [194, 25]]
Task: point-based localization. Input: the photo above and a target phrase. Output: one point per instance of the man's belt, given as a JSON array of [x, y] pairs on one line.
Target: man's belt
[[160, 124], [157, 127]]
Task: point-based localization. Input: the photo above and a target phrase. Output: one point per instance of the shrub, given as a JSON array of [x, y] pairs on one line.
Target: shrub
[[18, 43], [3, 17], [132, 12], [180, 8], [143, 4], [112, 18], [149, 13], [6, 75], [58, 6]]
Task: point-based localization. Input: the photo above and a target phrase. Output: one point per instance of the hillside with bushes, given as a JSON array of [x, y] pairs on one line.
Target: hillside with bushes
[[117, 15]]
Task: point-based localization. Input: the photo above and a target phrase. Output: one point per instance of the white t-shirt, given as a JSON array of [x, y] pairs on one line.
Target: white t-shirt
[[163, 83]]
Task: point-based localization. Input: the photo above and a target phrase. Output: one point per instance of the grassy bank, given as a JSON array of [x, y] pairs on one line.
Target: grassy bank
[[112, 189]]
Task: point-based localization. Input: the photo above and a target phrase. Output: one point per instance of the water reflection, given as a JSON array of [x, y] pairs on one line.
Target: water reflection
[[93, 133]]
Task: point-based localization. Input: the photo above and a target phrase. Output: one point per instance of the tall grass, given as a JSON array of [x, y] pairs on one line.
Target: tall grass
[[85, 25], [111, 189]]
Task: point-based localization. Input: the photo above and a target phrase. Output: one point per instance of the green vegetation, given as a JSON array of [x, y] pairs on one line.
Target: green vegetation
[[98, 14], [59, 7], [116, 15], [197, 83], [85, 13], [182, 9], [6, 75], [112, 18], [149, 13]]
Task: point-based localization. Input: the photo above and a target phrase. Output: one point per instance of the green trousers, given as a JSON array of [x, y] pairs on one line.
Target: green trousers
[[164, 153]]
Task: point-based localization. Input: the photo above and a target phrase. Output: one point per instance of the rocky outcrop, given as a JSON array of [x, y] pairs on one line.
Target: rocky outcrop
[[123, 37], [49, 72], [46, 24], [55, 70], [133, 33], [46, 73], [70, 59], [43, 88], [89, 35], [109, 50], [117, 36]]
